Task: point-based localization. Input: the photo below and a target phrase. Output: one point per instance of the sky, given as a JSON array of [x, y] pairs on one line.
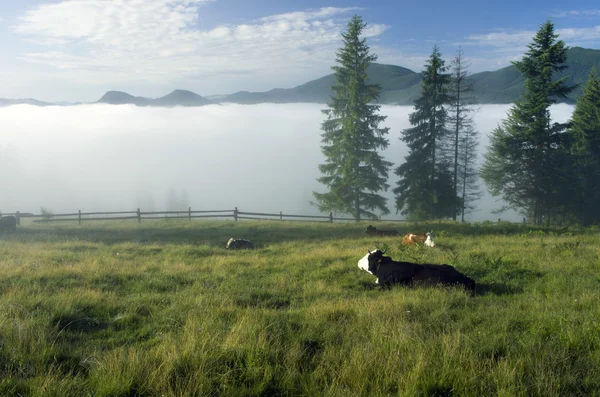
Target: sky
[[76, 50], [259, 158]]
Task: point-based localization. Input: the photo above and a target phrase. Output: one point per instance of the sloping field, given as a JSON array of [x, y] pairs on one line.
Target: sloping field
[[162, 309]]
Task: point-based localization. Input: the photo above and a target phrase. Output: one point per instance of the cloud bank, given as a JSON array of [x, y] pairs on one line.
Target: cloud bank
[[257, 157]]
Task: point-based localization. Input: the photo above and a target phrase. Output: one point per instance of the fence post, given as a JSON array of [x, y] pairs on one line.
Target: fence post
[[280, 215], [331, 216], [190, 214], [79, 217], [18, 216], [235, 214], [139, 216]]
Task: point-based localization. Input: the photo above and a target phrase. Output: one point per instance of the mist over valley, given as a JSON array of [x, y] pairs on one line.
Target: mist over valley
[[261, 157]]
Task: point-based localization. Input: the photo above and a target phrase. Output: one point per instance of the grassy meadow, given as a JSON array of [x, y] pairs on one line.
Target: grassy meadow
[[162, 309]]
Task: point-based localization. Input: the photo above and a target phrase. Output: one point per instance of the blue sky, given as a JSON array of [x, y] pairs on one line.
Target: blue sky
[[75, 50]]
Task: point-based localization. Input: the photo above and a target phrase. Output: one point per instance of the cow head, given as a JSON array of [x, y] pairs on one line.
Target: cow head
[[370, 230], [370, 261], [241, 243], [429, 240]]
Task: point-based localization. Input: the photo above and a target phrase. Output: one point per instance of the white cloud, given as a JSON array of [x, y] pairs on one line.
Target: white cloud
[[161, 40], [325, 12], [507, 39], [578, 13]]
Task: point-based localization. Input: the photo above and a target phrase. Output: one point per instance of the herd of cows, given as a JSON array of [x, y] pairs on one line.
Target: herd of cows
[[390, 272], [387, 271]]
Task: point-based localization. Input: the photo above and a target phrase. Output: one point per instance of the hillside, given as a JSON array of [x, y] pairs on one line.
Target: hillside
[[505, 85], [401, 86], [392, 78]]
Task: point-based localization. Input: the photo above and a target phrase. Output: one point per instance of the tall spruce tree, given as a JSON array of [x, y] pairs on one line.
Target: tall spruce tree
[[585, 151], [526, 160], [354, 172], [426, 189], [464, 136]]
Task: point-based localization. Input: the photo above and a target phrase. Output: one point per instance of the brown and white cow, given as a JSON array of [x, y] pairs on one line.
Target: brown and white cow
[[413, 238]]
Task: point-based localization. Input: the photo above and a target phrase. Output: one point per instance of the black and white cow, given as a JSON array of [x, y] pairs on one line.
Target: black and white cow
[[241, 243], [372, 231], [389, 272], [8, 223]]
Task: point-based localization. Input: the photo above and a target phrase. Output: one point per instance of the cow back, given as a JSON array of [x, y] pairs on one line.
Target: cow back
[[442, 274], [8, 223], [391, 272]]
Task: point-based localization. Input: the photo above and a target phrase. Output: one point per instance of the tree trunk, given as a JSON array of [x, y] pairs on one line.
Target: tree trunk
[[433, 137], [464, 190], [456, 148], [357, 206]]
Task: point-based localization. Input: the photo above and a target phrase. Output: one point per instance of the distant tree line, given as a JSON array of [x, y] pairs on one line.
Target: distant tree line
[[547, 171]]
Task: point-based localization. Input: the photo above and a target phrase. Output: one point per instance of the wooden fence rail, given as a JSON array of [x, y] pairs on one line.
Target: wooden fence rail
[[235, 214]]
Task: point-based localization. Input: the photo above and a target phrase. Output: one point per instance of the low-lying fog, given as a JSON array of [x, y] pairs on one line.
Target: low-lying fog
[[259, 158]]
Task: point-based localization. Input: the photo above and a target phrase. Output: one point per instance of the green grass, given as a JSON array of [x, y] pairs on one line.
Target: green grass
[[162, 309]]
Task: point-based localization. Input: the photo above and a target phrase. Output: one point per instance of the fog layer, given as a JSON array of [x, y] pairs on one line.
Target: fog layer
[[259, 158]]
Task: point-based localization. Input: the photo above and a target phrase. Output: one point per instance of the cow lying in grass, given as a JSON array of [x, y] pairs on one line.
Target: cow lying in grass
[[372, 231], [389, 272], [412, 238], [241, 243], [8, 223]]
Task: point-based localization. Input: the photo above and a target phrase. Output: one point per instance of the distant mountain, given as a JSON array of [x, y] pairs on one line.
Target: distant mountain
[[123, 98], [182, 98], [392, 78], [400, 86], [175, 98], [25, 101]]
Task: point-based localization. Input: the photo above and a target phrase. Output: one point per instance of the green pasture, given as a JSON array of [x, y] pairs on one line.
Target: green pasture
[[163, 309]]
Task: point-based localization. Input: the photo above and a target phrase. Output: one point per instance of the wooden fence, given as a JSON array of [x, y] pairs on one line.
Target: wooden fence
[[234, 214]]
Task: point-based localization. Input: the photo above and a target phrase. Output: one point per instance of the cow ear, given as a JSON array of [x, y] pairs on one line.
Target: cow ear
[[369, 252]]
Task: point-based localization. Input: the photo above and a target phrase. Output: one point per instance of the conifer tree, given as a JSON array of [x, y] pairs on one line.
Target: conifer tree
[[464, 136], [525, 162], [585, 150], [426, 188], [354, 171]]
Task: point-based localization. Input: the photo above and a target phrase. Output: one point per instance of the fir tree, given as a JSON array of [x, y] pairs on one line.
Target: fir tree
[[525, 162], [425, 189], [464, 136], [354, 172], [585, 150]]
